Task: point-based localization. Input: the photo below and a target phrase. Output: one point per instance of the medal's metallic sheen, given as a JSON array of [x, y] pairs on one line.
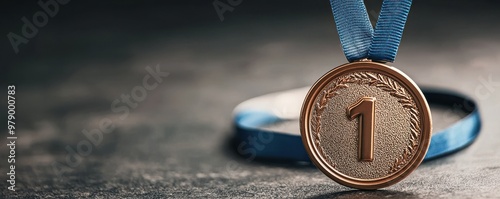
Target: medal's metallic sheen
[[366, 125]]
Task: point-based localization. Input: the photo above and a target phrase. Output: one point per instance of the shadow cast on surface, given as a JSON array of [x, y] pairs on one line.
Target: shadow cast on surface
[[366, 194], [230, 149]]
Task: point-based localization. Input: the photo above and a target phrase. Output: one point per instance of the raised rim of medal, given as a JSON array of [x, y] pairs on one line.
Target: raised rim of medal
[[398, 76]]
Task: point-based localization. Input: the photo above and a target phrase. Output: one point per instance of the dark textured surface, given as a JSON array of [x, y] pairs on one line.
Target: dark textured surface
[[175, 143]]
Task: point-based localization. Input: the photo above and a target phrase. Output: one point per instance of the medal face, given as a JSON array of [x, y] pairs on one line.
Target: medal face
[[365, 125]]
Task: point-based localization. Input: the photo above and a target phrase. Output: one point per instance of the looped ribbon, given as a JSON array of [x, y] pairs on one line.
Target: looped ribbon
[[359, 40], [255, 118]]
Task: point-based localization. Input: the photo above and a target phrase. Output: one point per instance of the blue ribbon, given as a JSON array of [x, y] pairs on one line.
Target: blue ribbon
[[356, 33], [360, 41], [287, 146]]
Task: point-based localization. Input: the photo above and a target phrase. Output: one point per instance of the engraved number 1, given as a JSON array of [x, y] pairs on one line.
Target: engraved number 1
[[364, 108]]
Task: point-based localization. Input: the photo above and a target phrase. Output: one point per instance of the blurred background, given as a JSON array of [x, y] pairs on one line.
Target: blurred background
[[170, 137]]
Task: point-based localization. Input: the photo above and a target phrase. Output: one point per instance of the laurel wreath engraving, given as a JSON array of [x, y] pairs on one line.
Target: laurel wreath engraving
[[381, 82]]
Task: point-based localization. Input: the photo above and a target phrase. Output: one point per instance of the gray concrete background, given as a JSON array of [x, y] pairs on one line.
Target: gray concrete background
[[176, 142]]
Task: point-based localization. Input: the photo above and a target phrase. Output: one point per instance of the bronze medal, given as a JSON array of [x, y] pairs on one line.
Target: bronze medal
[[366, 125]]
